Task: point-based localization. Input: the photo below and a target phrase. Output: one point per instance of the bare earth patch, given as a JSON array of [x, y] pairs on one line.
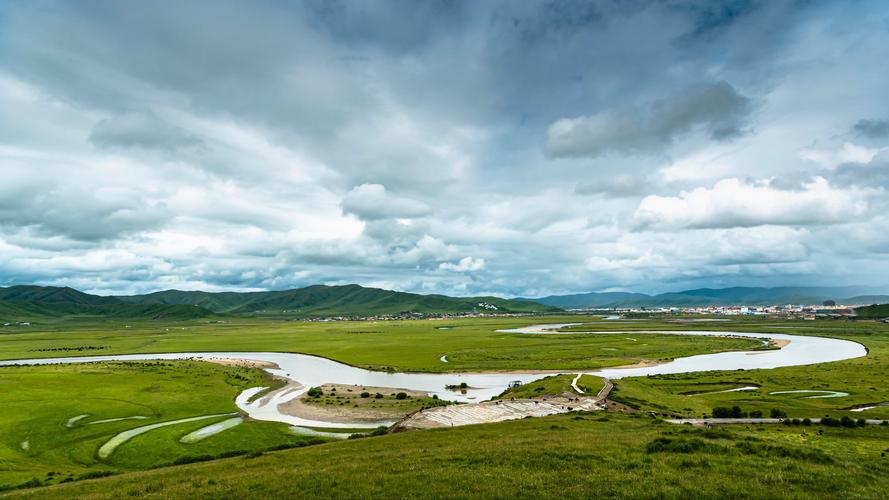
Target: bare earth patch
[[344, 404], [244, 363]]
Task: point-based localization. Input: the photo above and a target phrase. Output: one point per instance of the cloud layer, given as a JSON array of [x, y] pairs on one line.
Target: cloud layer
[[507, 148]]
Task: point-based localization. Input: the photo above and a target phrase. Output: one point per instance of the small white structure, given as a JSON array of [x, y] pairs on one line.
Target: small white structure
[[514, 384]]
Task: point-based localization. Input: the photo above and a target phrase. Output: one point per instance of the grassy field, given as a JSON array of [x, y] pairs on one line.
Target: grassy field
[[601, 454], [567, 456], [695, 394], [40, 443], [469, 344]]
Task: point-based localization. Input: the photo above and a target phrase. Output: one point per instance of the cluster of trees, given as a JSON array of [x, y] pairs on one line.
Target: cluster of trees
[[737, 412]]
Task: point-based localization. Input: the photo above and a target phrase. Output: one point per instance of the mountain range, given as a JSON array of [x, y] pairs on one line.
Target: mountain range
[[27, 302], [751, 296]]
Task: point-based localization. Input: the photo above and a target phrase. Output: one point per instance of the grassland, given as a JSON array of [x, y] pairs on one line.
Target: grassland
[[587, 455], [39, 444], [695, 394], [567, 456], [469, 344]]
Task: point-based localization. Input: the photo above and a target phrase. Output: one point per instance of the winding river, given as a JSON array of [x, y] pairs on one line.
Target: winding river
[[305, 371]]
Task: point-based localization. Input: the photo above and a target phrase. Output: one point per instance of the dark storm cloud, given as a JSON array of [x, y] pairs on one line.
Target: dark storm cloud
[[147, 131], [871, 129], [616, 187], [716, 108], [873, 174]]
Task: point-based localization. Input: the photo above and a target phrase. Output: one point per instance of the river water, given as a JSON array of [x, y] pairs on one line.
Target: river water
[[305, 371]]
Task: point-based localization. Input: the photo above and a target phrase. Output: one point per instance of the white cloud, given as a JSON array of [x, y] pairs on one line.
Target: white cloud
[[372, 202], [466, 264], [847, 153], [736, 203]]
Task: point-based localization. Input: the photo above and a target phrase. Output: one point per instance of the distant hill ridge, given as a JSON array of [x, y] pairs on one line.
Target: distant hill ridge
[[23, 302], [752, 296]]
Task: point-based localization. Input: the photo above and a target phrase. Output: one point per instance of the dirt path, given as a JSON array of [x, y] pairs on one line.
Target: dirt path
[[494, 411]]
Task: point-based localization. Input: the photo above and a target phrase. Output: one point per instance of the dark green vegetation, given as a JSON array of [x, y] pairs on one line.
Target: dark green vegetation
[[35, 303], [877, 311], [39, 442], [346, 300], [567, 456], [42, 304], [751, 296]]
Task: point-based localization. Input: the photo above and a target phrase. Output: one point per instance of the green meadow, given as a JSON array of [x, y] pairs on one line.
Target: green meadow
[[469, 344], [52, 419], [591, 455], [574, 455]]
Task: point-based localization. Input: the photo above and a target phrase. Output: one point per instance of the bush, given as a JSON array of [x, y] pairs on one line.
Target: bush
[[668, 445], [722, 412], [315, 392], [846, 421], [378, 396], [365, 394], [401, 395], [807, 421], [777, 413], [93, 474], [861, 422], [830, 422], [756, 414]]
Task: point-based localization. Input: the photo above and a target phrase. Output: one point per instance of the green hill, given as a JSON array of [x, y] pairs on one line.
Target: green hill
[[53, 295], [345, 300], [25, 303], [34, 303], [877, 311], [751, 296]]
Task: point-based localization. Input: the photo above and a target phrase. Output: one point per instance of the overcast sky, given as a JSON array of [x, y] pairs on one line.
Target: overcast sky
[[512, 148]]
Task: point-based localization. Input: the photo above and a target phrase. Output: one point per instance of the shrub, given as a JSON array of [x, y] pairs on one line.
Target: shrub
[[315, 392], [846, 421], [861, 422], [401, 395], [365, 394], [722, 412], [830, 422], [807, 421], [756, 414], [777, 413], [378, 396], [93, 474], [668, 445]]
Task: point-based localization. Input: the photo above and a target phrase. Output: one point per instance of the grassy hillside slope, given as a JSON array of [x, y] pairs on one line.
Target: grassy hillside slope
[[878, 311], [346, 300], [569, 456]]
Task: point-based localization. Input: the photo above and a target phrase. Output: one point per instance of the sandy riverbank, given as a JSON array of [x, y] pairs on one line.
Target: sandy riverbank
[[244, 363]]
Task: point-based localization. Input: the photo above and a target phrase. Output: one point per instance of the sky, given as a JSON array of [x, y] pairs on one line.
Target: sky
[[517, 148]]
